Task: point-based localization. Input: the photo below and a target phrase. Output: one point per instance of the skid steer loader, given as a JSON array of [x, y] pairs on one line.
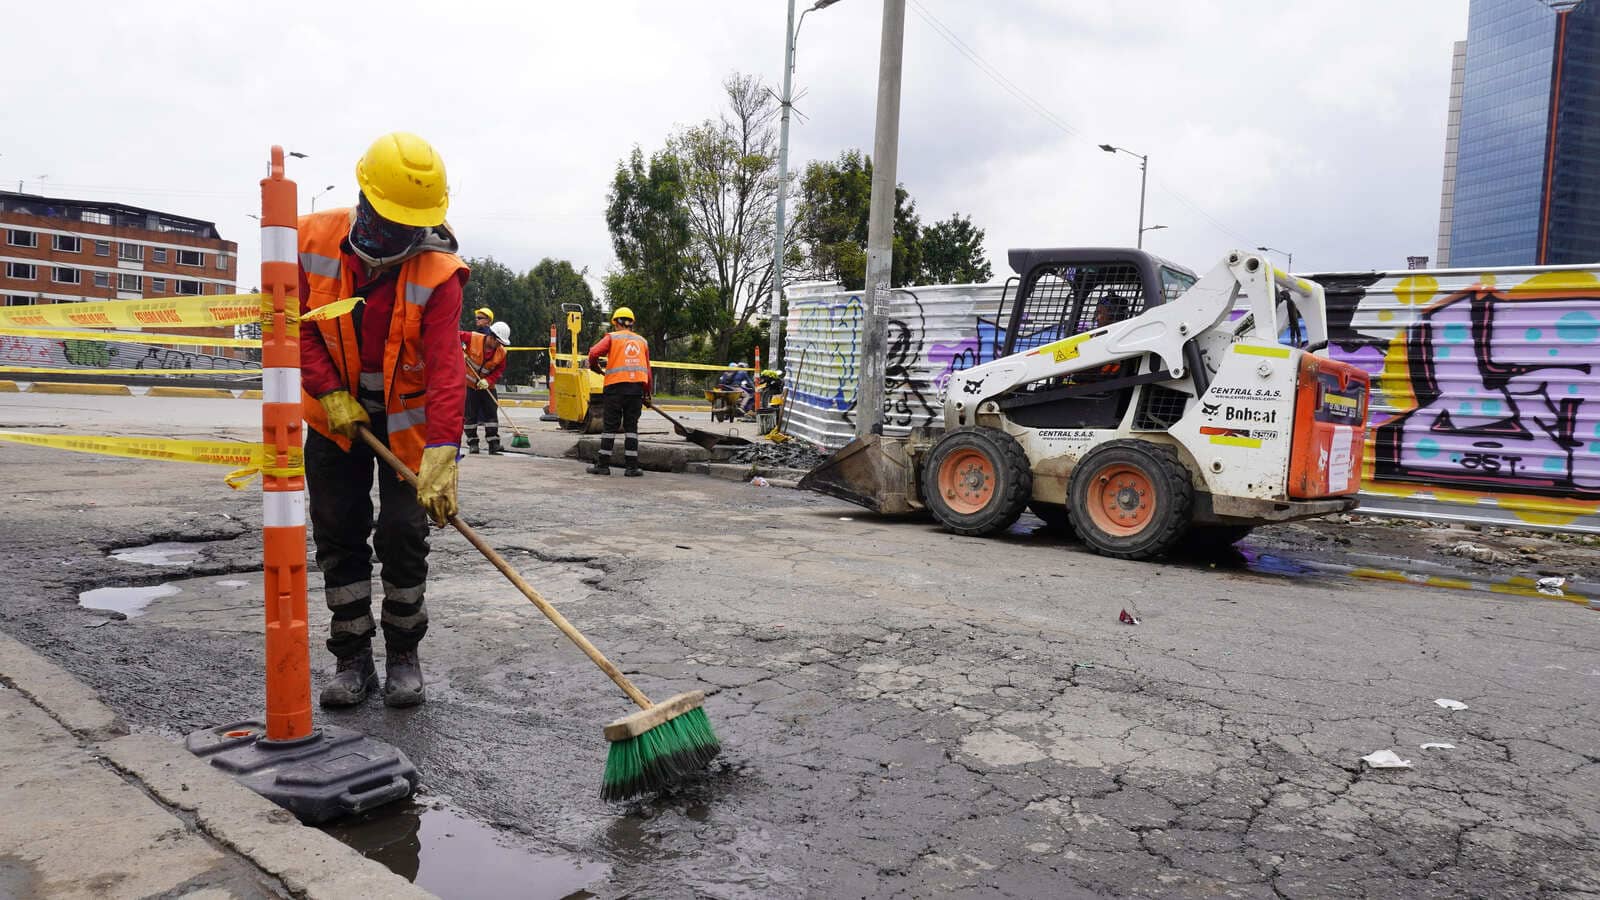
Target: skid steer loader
[[1139, 418]]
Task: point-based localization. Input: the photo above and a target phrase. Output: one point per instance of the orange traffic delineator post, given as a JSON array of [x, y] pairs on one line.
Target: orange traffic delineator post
[[550, 381], [318, 774]]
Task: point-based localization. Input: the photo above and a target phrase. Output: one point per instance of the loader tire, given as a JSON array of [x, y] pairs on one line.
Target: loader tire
[[977, 481], [1130, 499]]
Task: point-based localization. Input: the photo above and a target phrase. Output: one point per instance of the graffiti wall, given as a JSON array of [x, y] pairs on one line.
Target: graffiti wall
[[66, 354], [1486, 385]]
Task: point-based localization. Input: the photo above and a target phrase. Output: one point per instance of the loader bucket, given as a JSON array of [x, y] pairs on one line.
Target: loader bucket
[[872, 471]]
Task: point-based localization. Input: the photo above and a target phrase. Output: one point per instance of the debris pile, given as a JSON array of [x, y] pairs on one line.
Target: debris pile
[[788, 455]]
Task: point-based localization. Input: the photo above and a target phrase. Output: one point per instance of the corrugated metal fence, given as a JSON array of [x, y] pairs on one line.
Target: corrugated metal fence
[[1486, 398]]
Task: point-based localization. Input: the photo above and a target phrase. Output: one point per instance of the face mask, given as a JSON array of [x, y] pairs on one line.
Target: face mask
[[376, 238]]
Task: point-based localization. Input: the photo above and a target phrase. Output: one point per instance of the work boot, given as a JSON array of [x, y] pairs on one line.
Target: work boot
[[403, 679], [494, 449], [599, 469], [355, 676], [473, 449], [633, 472]]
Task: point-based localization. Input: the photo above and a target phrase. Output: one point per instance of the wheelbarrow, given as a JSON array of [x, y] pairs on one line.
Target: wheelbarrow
[[726, 405], [706, 439]]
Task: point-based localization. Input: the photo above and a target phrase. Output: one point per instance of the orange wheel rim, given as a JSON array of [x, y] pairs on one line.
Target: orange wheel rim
[[1121, 500], [966, 481]]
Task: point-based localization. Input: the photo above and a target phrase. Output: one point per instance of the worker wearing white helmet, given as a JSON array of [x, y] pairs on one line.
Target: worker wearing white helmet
[[485, 355]]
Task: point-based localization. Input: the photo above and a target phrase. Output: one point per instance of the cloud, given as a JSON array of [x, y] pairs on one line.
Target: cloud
[[1316, 127]]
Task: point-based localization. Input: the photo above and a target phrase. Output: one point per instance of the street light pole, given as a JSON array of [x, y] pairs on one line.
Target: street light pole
[[880, 221], [319, 194], [1288, 266], [1144, 173], [791, 35]]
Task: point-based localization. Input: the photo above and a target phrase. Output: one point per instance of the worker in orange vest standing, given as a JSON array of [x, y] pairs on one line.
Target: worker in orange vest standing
[[485, 353], [627, 389], [393, 365]]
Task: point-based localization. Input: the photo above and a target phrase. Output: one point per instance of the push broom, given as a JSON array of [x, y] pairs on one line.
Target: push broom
[[652, 749], [519, 441]]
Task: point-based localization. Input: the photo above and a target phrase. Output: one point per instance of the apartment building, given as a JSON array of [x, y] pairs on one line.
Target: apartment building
[[55, 250]]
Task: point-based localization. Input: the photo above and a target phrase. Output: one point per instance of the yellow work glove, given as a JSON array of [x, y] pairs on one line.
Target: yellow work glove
[[483, 384], [436, 483], [344, 413]]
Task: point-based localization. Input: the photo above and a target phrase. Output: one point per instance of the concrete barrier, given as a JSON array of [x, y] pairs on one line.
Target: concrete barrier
[[9, 387], [61, 387]]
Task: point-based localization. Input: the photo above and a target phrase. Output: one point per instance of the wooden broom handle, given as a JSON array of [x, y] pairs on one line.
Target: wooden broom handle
[[554, 615]]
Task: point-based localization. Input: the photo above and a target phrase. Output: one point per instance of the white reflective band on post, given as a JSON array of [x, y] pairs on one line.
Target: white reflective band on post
[[280, 385], [279, 244], [283, 509]]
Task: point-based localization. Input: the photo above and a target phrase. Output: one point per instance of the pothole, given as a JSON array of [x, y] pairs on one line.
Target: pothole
[[444, 851], [163, 553], [129, 601]]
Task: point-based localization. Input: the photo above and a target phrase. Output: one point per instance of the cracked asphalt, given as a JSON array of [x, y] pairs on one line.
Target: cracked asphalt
[[905, 713]]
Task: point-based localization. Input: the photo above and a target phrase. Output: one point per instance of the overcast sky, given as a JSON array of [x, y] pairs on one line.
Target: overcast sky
[[1314, 127]]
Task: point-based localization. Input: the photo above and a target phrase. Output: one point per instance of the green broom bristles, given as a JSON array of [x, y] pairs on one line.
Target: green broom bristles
[[660, 757]]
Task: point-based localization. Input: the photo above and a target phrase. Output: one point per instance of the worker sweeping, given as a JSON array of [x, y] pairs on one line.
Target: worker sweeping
[[392, 366], [627, 390], [485, 356]]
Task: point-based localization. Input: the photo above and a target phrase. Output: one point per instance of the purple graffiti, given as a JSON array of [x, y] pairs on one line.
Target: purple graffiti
[[1505, 397]]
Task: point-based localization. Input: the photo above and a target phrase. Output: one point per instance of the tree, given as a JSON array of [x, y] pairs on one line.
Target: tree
[[529, 303], [952, 253], [659, 274], [730, 182], [831, 223]]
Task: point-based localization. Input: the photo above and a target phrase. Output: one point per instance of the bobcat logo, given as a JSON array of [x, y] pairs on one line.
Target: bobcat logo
[[1210, 409]]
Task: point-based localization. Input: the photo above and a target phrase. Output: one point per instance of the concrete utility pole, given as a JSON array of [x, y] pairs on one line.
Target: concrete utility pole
[[880, 221]]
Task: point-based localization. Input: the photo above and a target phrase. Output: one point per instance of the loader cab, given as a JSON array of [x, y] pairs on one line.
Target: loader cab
[[1060, 292], [1065, 291]]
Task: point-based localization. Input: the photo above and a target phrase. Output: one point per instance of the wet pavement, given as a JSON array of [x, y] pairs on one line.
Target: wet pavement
[[904, 712]]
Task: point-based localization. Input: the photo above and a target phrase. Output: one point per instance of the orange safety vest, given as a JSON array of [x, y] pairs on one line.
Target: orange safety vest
[[405, 379], [482, 363], [628, 359]]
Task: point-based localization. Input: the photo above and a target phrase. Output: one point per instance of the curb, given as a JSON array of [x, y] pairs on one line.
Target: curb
[[309, 862], [65, 387], [9, 387], [217, 393]]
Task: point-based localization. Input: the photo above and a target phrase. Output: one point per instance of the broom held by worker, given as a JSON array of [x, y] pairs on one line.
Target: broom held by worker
[[485, 355], [392, 365], [627, 389]]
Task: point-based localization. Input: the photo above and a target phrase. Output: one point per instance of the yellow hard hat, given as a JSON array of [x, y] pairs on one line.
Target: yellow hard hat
[[622, 312], [484, 311], [403, 178]]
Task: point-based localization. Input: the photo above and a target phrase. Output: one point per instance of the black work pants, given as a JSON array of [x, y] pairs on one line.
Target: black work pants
[[481, 410], [339, 485], [623, 404]]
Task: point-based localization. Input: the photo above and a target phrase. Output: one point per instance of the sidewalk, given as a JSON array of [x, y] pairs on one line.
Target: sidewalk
[[91, 811]]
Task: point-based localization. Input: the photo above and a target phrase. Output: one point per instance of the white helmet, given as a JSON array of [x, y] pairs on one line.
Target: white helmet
[[502, 332]]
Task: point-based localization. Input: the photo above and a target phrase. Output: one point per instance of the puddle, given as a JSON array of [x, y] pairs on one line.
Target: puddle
[[130, 601], [1384, 568], [459, 858], [165, 553]]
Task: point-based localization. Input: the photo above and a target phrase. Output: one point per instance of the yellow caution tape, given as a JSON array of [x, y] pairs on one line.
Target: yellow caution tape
[[129, 337], [248, 460], [41, 370], [332, 310], [221, 309]]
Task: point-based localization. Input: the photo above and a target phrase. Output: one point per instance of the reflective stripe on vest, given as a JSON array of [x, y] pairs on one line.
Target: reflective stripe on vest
[[403, 382], [625, 359]]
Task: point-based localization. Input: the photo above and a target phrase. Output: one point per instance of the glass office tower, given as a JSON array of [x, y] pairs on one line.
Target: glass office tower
[[1527, 166]]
